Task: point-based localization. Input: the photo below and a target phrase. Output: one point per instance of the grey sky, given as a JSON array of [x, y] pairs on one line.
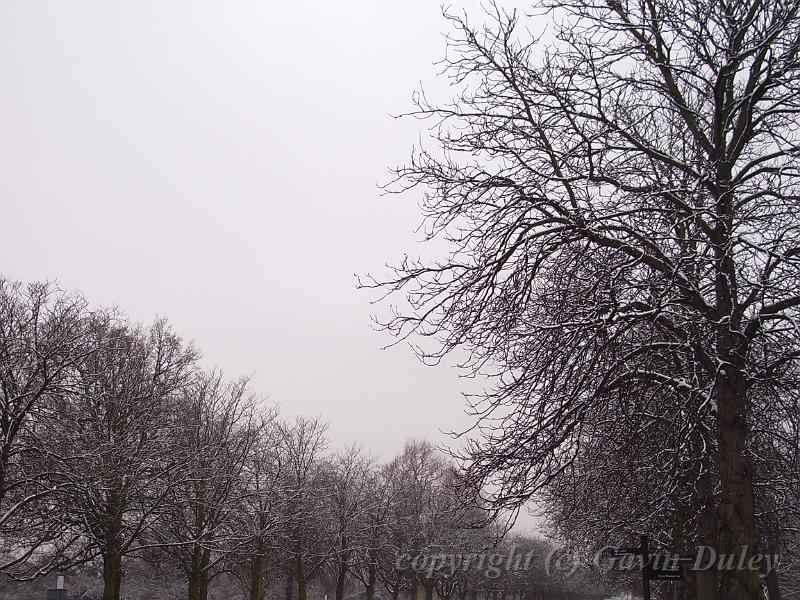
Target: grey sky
[[216, 163]]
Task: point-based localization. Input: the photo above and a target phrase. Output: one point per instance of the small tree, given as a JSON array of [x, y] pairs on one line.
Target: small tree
[[309, 540], [347, 479], [262, 511], [375, 544]]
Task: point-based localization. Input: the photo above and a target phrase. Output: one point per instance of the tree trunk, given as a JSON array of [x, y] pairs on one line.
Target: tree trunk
[[301, 578], [773, 584], [704, 585], [256, 575], [112, 552], [736, 510], [112, 573], [737, 505], [372, 579], [194, 586], [193, 577], [341, 578], [204, 582], [428, 585], [289, 590], [197, 574]]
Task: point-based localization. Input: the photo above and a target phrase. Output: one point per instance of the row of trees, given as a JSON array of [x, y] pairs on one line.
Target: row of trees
[[618, 194], [116, 446]]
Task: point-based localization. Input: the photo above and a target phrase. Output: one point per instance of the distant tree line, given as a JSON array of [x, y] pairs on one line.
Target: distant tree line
[[117, 450]]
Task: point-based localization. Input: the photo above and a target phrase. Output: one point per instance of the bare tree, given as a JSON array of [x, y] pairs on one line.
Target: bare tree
[[425, 513], [308, 529], [118, 421], [262, 511], [41, 339], [371, 555], [215, 432], [347, 479], [619, 198]]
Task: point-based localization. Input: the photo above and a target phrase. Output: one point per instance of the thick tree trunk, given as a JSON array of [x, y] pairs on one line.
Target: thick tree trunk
[[737, 524], [736, 510], [204, 583], [112, 573], [194, 586], [112, 552], [197, 574]]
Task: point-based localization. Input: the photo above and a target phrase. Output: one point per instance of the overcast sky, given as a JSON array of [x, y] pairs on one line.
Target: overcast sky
[[217, 163]]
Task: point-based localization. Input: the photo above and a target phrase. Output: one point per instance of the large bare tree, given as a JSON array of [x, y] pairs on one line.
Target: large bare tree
[[620, 204]]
